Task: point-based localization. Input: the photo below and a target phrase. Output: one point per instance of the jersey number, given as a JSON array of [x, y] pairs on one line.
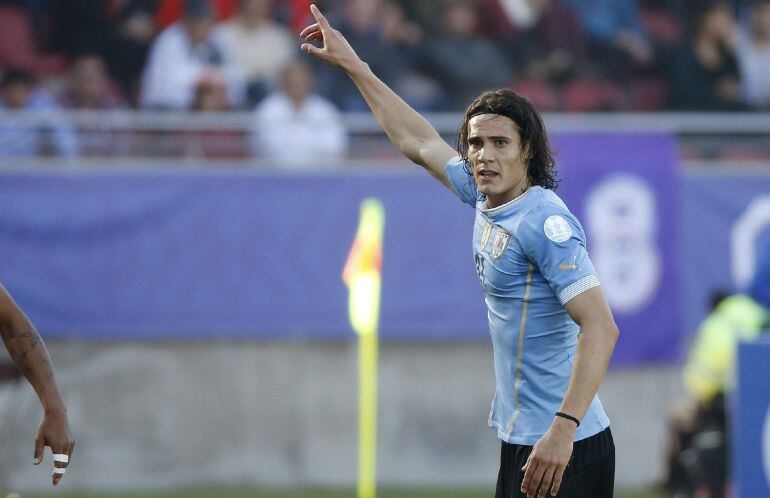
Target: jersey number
[[480, 269]]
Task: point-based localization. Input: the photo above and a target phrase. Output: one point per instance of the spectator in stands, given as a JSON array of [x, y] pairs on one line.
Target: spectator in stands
[[543, 36], [406, 38], [213, 143], [119, 31], [211, 93], [260, 45], [89, 86], [615, 35], [362, 20], [296, 128], [181, 55], [51, 136], [135, 31], [754, 56], [398, 30], [483, 65], [704, 71]]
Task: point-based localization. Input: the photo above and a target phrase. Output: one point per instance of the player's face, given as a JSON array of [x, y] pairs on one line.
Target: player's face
[[497, 158]]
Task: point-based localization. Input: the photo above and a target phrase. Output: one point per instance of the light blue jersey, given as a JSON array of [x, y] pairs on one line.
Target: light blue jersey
[[531, 258]]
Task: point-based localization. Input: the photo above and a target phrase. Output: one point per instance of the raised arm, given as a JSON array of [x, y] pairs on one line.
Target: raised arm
[[31, 357], [411, 133]]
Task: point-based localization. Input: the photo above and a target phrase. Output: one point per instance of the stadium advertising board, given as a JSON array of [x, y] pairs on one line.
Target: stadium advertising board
[[160, 254], [751, 422]]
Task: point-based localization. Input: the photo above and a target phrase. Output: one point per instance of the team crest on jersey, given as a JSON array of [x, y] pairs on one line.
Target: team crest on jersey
[[485, 235], [501, 242]]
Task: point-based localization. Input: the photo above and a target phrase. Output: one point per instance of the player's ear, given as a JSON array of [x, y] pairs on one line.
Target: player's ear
[[526, 152]]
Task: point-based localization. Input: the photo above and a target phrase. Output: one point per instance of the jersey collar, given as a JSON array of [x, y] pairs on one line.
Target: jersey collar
[[508, 205]]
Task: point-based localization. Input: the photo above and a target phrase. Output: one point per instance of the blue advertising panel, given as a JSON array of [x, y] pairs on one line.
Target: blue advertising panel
[[167, 254], [724, 217], [751, 421]]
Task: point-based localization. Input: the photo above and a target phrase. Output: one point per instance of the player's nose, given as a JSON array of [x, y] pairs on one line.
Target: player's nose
[[485, 154]]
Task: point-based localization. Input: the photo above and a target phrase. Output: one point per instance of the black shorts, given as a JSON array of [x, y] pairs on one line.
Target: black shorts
[[590, 473]]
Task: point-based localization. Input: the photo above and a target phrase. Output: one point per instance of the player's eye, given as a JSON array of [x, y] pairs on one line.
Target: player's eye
[[500, 142]]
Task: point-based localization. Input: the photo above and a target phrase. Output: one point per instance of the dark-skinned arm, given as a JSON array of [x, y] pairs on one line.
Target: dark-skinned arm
[[28, 352]]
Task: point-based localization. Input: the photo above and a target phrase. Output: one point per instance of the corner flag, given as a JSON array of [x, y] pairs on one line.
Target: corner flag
[[362, 275]]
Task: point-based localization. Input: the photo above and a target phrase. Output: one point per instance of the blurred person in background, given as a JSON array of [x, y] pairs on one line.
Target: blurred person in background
[[51, 136], [28, 352], [212, 143], [260, 46], [415, 85], [211, 93], [89, 86], [483, 65], [134, 32], [181, 55], [754, 56], [120, 31], [543, 36], [616, 39], [698, 445], [704, 70], [310, 124], [552, 330], [362, 20]]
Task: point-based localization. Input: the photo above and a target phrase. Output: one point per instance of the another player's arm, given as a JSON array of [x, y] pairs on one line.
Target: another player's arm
[[28, 351], [410, 132], [598, 335]]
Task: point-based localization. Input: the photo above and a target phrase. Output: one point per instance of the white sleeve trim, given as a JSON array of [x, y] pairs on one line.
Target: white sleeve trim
[[577, 288]]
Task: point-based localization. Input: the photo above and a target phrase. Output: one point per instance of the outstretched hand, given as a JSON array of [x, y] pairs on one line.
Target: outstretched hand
[[54, 432], [335, 49]]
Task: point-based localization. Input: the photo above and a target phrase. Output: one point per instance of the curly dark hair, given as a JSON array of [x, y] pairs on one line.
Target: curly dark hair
[[541, 167]]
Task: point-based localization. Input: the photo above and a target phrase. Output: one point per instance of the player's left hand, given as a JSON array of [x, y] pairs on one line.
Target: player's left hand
[[54, 431], [545, 466]]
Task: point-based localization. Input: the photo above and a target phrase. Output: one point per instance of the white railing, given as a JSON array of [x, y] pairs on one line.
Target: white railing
[[365, 123], [128, 137]]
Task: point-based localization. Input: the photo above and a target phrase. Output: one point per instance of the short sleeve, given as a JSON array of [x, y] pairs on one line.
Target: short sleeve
[[553, 239], [462, 182]]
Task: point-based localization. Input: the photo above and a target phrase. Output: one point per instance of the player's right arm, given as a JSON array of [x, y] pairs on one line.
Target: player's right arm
[[30, 355], [410, 132]]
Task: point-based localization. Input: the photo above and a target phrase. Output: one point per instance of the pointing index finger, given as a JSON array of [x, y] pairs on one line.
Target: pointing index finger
[[319, 17]]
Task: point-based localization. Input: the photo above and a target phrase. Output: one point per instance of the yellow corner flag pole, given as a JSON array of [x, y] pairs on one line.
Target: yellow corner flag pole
[[362, 275]]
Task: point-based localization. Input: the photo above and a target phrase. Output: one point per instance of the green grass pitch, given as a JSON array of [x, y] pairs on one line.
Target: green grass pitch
[[235, 493]]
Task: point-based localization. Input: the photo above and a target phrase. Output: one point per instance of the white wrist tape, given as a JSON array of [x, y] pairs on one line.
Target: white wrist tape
[[61, 458]]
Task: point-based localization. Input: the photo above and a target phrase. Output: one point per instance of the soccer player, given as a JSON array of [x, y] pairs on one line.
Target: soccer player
[[552, 331], [31, 357]]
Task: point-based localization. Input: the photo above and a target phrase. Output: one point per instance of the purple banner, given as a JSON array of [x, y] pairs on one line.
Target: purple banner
[[625, 190], [194, 254]]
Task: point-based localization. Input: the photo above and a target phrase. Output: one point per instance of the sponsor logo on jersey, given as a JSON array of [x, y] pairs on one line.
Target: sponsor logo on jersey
[[570, 266]]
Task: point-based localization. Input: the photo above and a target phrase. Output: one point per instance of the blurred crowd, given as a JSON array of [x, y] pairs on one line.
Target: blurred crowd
[[220, 55]]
